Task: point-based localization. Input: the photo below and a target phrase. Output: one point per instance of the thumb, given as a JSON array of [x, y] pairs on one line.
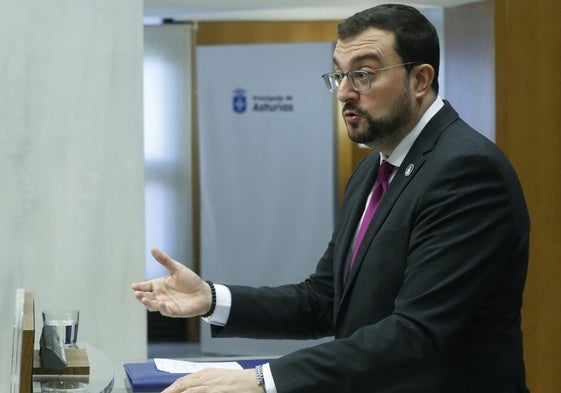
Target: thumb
[[165, 260]]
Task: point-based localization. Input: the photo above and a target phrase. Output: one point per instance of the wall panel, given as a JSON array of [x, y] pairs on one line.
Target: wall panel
[[528, 50], [220, 33], [71, 164]]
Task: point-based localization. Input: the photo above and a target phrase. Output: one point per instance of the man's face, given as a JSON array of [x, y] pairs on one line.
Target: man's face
[[382, 115]]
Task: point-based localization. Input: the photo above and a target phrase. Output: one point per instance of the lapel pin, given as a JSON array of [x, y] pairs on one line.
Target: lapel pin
[[409, 169]]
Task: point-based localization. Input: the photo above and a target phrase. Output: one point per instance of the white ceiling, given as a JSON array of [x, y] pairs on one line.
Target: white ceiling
[[209, 10]]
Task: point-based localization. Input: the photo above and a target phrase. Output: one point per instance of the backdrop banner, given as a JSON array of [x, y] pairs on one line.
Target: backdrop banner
[[267, 169]]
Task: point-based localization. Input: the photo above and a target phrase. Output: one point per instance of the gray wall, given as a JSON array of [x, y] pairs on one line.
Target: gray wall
[[167, 143], [470, 63], [71, 167]]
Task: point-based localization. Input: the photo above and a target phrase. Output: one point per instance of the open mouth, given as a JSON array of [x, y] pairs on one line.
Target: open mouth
[[351, 116]]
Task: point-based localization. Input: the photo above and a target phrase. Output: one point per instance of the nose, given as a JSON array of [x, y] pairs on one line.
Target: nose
[[345, 92]]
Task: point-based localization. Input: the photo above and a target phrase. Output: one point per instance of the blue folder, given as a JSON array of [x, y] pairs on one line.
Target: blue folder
[[145, 377]]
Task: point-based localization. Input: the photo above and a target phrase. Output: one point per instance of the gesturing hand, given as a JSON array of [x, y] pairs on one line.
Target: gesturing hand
[[181, 293]]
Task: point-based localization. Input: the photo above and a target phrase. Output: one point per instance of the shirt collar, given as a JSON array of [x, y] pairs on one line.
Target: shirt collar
[[401, 150]]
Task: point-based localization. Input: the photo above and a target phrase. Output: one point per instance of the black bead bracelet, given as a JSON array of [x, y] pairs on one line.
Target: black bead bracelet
[[213, 304]]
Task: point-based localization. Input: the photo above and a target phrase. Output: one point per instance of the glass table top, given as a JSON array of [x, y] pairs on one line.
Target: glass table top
[[101, 378]]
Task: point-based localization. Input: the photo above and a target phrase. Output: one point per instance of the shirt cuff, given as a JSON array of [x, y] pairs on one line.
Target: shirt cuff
[[223, 304], [269, 381]]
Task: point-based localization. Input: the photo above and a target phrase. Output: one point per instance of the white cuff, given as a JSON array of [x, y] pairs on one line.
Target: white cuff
[[223, 304], [269, 381]]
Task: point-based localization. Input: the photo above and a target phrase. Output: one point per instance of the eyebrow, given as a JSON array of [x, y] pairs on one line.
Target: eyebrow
[[361, 58]]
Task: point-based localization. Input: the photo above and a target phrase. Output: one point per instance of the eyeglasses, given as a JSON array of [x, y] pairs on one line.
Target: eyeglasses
[[359, 79]]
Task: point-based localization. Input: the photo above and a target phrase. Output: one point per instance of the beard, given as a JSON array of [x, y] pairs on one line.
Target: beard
[[385, 131]]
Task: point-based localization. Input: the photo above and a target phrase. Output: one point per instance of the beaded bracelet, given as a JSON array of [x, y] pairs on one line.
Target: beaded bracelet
[[213, 304], [260, 377]]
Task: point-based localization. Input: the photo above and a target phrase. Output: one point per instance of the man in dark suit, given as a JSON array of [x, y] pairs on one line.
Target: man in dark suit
[[427, 297]]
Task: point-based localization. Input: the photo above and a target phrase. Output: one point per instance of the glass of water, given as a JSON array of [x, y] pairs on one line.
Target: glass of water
[[65, 323]]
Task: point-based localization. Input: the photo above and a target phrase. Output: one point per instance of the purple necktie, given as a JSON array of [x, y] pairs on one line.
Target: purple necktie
[[384, 172]]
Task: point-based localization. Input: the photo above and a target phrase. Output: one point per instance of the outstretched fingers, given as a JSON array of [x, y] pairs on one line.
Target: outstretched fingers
[[144, 286], [150, 303]]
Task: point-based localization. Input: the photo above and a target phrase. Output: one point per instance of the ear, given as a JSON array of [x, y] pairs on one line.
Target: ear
[[422, 76]]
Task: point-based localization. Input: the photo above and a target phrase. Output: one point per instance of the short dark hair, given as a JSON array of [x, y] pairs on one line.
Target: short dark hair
[[416, 39]]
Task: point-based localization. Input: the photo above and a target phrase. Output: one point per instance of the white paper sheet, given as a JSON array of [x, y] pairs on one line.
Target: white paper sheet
[[185, 367]]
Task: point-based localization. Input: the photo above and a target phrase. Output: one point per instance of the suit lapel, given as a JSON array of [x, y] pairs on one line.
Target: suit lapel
[[348, 227], [415, 157], [396, 187]]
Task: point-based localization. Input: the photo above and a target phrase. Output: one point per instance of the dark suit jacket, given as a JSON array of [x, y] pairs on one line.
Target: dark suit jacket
[[433, 301]]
